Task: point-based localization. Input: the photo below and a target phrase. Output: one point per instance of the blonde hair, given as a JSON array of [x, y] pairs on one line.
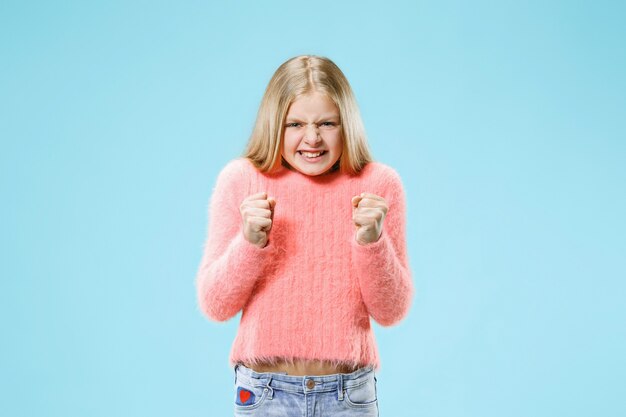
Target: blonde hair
[[299, 76]]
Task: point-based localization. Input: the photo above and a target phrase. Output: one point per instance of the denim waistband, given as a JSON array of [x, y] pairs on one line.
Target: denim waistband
[[301, 384]]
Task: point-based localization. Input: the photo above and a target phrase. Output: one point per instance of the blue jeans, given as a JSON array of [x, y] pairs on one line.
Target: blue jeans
[[276, 394]]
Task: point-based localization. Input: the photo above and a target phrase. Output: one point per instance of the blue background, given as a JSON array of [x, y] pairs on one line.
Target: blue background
[[504, 119]]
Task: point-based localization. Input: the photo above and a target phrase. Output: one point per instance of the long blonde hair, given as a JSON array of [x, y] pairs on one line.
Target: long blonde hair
[[299, 76]]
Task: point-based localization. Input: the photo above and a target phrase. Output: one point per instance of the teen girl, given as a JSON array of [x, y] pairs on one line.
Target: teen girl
[[306, 237]]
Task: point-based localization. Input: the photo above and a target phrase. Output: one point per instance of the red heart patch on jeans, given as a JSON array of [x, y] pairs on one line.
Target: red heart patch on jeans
[[244, 395]]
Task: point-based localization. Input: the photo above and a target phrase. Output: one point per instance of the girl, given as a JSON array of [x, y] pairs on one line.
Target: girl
[[306, 237]]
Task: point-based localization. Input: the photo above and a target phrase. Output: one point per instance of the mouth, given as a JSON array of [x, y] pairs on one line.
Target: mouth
[[312, 156]]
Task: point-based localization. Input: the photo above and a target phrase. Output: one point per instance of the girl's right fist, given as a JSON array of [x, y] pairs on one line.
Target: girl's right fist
[[257, 212]]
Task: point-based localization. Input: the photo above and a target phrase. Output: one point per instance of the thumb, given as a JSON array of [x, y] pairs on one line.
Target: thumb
[[272, 202], [355, 203]]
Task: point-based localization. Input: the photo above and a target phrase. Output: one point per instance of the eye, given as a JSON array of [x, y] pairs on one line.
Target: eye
[[328, 124], [292, 124]]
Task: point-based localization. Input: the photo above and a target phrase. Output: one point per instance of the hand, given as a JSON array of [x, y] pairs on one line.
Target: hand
[[368, 213], [257, 212]]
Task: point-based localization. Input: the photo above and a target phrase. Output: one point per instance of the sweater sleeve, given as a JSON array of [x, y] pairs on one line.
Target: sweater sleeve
[[382, 266], [230, 264]]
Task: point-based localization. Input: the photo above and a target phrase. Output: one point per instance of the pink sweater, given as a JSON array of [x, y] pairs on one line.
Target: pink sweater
[[311, 291]]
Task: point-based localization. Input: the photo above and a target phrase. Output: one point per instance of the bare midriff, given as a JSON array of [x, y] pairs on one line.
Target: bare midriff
[[303, 367]]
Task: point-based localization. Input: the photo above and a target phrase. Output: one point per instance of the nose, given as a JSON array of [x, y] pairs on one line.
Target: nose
[[311, 134]]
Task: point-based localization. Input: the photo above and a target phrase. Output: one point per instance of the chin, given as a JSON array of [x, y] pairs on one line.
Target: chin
[[311, 172]]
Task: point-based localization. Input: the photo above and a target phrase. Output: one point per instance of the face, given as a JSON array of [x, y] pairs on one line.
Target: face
[[312, 126]]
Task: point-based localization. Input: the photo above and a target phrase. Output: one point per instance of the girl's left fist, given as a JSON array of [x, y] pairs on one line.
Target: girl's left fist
[[368, 213]]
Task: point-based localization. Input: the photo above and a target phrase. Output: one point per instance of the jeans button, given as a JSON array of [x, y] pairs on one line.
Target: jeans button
[[310, 384]]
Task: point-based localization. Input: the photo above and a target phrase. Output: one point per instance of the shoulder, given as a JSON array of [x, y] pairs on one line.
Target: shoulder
[[383, 174], [236, 169], [230, 176], [236, 165]]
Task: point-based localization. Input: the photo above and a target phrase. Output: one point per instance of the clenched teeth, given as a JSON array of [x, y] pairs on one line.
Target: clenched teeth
[[311, 155]]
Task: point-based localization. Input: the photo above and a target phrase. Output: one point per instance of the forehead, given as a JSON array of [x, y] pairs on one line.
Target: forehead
[[313, 105]]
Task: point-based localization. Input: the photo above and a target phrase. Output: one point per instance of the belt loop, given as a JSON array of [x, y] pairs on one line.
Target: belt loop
[[236, 365], [340, 387], [268, 387]]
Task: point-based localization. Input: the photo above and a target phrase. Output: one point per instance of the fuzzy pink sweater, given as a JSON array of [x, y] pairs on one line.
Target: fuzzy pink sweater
[[311, 291]]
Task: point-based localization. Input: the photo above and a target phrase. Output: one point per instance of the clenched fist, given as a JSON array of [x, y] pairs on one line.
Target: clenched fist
[[368, 213], [257, 212]]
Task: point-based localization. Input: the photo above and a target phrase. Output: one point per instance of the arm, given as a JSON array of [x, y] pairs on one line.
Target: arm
[[230, 265], [382, 266]]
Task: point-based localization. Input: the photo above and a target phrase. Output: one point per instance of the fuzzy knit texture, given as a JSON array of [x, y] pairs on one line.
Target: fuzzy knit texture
[[310, 292]]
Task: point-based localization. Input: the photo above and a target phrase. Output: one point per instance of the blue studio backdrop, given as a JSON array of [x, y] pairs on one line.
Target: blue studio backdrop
[[504, 119]]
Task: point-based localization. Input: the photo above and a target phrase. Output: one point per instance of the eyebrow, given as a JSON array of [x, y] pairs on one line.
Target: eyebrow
[[326, 116]]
